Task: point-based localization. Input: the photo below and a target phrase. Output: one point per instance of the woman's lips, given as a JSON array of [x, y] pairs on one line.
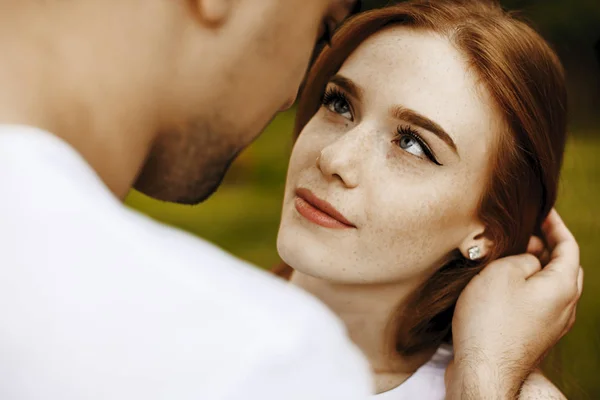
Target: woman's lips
[[319, 211]]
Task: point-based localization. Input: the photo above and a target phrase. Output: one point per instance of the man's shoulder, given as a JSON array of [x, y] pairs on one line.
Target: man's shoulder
[[58, 212], [237, 285], [153, 298], [282, 326]]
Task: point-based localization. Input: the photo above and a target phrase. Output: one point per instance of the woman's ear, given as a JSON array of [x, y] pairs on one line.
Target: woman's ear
[[476, 244], [213, 12]]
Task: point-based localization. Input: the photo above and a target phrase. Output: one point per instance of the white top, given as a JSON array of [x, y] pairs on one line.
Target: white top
[[427, 383], [100, 302]]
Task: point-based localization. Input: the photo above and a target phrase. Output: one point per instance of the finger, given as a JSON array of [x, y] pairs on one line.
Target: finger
[[564, 251], [570, 323], [555, 230], [536, 246], [527, 263], [523, 265], [579, 283], [545, 257], [572, 318]]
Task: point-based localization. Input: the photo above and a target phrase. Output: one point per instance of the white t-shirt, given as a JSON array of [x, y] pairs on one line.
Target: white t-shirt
[[427, 383], [100, 302]]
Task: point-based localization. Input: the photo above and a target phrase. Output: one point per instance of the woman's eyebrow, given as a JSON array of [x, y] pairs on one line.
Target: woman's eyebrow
[[413, 117], [347, 84], [398, 112]]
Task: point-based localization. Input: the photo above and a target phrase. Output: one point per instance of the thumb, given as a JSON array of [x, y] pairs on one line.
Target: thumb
[[536, 246]]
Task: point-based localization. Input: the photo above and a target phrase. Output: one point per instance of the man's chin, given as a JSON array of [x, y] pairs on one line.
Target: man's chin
[[179, 194], [189, 191], [195, 197], [190, 181]]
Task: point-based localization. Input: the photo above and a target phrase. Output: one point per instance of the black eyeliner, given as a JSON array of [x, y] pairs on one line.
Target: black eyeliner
[[405, 130]]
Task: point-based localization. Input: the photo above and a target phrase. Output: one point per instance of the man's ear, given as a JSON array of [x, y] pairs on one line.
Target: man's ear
[[213, 12], [476, 244]]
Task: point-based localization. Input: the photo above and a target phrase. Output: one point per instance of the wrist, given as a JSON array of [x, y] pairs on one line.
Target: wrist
[[477, 379]]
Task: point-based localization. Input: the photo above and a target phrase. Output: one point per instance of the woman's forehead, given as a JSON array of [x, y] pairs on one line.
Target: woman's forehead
[[423, 71], [400, 57]]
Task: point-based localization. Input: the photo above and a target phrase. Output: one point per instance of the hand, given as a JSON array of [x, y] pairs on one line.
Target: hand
[[538, 387], [512, 313], [535, 387]]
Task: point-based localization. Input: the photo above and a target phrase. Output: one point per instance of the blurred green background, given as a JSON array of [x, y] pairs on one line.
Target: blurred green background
[[243, 216]]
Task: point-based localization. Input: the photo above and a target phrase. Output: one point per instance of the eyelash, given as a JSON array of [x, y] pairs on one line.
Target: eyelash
[[332, 95], [407, 130]]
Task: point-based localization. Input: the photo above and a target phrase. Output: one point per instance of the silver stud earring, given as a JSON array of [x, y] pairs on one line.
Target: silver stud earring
[[474, 252]]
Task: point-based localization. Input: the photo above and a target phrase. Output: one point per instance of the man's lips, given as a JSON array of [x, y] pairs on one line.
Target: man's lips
[[319, 211]]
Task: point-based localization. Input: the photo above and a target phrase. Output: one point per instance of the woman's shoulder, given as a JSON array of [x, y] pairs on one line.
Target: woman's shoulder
[[427, 383]]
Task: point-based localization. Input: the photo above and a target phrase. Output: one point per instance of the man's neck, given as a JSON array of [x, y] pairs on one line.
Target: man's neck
[[55, 82]]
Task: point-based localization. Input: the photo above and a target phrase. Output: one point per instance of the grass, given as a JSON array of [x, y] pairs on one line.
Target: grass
[[579, 351], [243, 216]]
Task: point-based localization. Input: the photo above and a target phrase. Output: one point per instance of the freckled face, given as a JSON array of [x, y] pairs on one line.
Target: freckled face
[[400, 149]]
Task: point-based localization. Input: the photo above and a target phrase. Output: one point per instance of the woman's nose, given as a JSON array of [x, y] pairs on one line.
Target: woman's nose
[[341, 160]]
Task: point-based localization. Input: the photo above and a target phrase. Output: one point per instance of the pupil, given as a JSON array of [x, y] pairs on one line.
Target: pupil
[[340, 106], [405, 142]]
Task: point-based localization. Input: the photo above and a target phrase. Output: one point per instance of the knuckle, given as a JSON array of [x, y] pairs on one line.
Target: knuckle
[[528, 262], [573, 290], [532, 260], [558, 296], [567, 292]]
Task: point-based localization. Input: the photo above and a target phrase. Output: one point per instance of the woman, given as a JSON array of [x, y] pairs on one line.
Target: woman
[[430, 139]]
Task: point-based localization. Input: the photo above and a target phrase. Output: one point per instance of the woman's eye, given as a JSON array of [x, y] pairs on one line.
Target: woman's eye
[[340, 106], [410, 141], [336, 102], [411, 145]]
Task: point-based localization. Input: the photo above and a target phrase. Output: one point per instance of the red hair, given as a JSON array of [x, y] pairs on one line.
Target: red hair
[[526, 81]]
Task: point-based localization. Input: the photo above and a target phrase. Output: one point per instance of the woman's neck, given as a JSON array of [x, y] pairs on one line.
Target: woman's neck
[[369, 312]]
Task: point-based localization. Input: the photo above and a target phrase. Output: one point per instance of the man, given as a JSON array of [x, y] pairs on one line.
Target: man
[[99, 302]]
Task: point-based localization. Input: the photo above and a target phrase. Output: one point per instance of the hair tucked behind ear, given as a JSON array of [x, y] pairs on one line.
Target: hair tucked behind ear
[[526, 80]]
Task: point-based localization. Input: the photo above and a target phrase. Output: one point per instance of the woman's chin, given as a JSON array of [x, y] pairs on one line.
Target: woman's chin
[[316, 267], [300, 259]]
